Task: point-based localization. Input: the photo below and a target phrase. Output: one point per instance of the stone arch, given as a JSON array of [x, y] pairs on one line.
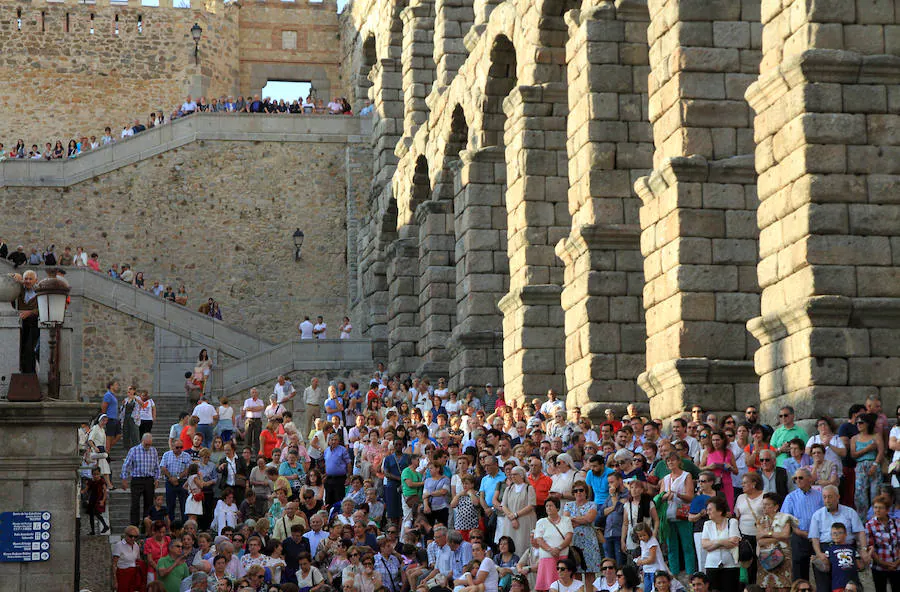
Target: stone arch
[[368, 58], [260, 73], [421, 183], [501, 79]]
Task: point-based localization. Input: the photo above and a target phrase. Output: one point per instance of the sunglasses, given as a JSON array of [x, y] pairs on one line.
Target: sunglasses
[[353, 555], [767, 460], [729, 421], [562, 568], [609, 567], [579, 490], [784, 415], [799, 478], [804, 589]]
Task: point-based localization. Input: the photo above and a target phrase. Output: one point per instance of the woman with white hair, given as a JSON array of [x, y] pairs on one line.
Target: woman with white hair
[[516, 518], [564, 477]]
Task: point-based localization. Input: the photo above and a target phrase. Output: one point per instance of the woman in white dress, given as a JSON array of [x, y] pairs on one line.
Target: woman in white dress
[[346, 328], [194, 507]]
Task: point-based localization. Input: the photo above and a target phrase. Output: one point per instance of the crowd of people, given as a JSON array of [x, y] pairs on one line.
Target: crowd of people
[[251, 104], [410, 486], [124, 272]]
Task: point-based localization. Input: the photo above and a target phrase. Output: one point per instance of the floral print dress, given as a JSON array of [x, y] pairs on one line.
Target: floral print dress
[[585, 538]]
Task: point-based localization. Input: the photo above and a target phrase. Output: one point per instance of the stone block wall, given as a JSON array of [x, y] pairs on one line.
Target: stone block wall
[[216, 216], [114, 345], [828, 114], [80, 67], [609, 147], [293, 41], [698, 239]]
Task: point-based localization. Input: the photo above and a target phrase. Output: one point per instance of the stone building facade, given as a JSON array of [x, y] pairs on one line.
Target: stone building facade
[[687, 200], [70, 68]]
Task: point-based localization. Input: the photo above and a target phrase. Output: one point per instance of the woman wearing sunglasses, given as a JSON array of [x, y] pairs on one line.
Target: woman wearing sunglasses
[[565, 570]]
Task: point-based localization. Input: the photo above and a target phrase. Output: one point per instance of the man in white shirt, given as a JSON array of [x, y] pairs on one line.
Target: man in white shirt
[[442, 391], [319, 330], [305, 328], [285, 392], [189, 106], [314, 397], [208, 416], [253, 411], [127, 132], [552, 405]]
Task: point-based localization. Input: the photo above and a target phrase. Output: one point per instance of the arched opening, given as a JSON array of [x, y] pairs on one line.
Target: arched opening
[[421, 186], [369, 57], [501, 80]]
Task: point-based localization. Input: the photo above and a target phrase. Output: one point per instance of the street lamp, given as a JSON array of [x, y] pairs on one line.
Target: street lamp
[[196, 32], [52, 295], [298, 242]]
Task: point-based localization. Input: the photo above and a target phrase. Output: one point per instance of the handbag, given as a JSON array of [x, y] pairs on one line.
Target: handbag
[[745, 553], [770, 560], [681, 512], [198, 495]]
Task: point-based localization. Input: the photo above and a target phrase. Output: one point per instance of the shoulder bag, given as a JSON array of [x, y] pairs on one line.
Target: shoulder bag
[[575, 552]]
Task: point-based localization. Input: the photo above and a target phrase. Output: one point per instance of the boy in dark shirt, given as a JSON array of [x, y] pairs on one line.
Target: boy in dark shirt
[[844, 559]]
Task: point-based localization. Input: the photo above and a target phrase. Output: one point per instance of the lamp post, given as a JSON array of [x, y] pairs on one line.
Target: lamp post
[[196, 32], [298, 242], [52, 294]]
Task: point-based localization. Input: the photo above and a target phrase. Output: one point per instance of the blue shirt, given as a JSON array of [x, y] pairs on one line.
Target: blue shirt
[[336, 461], [176, 464], [489, 486], [599, 484], [803, 506], [141, 462], [331, 408], [314, 539], [822, 519], [461, 557], [112, 409]]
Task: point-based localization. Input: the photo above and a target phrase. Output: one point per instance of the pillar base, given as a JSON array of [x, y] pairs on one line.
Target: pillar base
[[534, 357], [821, 354], [477, 359], [716, 385]]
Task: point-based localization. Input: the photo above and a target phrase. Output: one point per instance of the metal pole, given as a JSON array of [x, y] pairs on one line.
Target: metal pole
[[53, 373]]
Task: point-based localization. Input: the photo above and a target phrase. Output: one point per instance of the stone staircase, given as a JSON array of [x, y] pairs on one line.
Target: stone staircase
[[201, 126]]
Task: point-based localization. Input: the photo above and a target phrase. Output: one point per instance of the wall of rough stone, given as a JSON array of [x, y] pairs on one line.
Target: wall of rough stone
[[61, 80], [218, 217], [296, 40], [114, 345]]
